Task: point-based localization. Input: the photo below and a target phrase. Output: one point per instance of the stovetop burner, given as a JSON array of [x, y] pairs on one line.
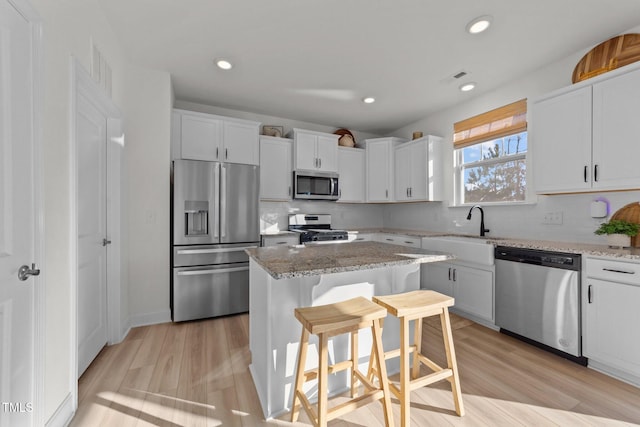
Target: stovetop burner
[[316, 228]]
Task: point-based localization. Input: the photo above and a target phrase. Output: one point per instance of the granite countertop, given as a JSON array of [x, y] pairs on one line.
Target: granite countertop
[[298, 261], [587, 249]]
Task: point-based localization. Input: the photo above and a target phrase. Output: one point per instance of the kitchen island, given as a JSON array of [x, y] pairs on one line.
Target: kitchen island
[[283, 278]]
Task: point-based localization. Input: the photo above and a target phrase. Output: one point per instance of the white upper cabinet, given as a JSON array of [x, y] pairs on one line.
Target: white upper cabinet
[[418, 170], [351, 168], [200, 136], [616, 129], [315, 151], [276, 174], [584, 139], [380, 168]]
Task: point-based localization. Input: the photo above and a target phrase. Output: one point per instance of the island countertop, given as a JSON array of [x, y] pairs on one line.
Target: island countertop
[[298, 261]]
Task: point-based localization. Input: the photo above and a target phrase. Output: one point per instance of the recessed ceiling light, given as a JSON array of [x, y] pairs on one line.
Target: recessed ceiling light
[[467, 86], [224, 64], [368, 100], [479, 24]]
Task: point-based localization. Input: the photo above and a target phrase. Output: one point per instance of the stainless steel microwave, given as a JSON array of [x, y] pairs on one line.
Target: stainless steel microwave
[[314, 185]]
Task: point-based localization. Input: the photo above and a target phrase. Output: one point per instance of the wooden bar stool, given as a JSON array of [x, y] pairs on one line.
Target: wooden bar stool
[[417, 305], [327, 321]]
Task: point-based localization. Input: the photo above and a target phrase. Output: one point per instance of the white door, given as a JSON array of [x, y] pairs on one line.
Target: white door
[[17, 220], [91, 140]]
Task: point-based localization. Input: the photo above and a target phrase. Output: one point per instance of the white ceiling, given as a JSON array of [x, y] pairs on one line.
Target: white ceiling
[[314, 60]]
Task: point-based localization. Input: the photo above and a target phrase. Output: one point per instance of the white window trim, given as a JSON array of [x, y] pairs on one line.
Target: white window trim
[[458, 183]]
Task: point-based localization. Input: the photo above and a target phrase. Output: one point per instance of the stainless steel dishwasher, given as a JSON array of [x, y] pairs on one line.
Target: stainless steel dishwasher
[[538, 299]]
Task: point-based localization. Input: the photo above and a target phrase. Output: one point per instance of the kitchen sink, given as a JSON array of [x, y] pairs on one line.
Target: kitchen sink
[[477, 250]]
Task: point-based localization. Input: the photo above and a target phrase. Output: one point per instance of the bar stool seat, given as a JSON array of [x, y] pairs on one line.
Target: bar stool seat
[[416, 305], [327, 321]]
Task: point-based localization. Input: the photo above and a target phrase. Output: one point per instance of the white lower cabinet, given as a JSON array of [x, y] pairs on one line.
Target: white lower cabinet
[[472, 287], [360, 237], [611, 298]]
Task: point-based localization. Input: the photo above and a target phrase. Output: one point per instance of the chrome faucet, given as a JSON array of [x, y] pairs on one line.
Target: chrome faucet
[[482, 229]]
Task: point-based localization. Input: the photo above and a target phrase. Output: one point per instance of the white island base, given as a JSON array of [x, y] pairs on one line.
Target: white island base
[[274, 332]]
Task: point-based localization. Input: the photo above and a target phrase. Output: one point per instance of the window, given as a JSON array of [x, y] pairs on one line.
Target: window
[[490, 156]]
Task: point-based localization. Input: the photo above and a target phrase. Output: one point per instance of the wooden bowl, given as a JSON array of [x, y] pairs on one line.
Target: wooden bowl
[[611, 54], [346, 138]]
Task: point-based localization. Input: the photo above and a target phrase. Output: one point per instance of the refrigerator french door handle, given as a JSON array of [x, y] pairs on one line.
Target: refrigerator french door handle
[[223, 202], [211, 271], [213, 251], [216, 202]]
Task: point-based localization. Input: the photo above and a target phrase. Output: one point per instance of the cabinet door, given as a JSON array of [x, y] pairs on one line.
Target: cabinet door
[[327, 152], [436, 276], [561, 142], [351, 170], [379, 172], [419, 166], [402, 173], [201, 138], [611, 335], [240, 143], [305, 151], [275, 168], [473, 291], [616, 127]]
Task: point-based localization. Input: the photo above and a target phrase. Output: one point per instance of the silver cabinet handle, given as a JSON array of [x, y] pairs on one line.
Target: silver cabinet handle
[[613, 270], [454, 274], [595, 173], [212, 251], [106, 242], [211, 271], [590, 294], [449, 273], [24, 272]]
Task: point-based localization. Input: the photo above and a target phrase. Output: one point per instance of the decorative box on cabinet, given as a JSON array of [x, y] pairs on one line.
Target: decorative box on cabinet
[[200, 136], [315, 150], [380, 168], [418, 170], [351, 168], [583, 137], [275, 168]]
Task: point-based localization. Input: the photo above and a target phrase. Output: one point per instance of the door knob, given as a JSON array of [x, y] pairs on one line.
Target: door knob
[[106, 242], [24, 272]]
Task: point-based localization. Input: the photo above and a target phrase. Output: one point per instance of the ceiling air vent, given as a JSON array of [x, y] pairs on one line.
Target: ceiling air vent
[[460, 74]]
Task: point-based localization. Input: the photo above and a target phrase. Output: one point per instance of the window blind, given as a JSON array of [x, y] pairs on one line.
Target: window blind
[[502, 121]]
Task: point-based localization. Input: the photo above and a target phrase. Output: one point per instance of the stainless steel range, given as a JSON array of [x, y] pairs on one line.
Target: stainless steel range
[[316, 229]]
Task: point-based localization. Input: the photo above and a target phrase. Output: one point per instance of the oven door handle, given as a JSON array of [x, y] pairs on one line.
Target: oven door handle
[[211, 271], [212, 251]]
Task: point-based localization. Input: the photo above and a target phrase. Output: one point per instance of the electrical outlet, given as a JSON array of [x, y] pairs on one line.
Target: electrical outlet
[[553, 218]]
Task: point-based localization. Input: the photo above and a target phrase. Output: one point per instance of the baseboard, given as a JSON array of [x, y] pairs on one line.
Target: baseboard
[[63, 415], [145, 319], [615, 373], [125, 328]]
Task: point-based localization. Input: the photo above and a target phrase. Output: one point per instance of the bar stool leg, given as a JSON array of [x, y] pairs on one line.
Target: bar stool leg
[[323, 376], [417, 342], [381, 367], [451, 361], [302, 361], [405, 381], [354, 361]]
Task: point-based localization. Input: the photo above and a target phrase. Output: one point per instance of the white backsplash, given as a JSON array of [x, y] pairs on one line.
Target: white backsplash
[[274, 215], [524, 221]]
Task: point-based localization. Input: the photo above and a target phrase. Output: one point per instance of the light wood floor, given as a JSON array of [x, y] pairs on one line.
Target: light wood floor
[[196, 374]]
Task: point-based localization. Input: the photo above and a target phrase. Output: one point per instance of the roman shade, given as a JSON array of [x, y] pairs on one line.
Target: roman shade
[[506, 120]]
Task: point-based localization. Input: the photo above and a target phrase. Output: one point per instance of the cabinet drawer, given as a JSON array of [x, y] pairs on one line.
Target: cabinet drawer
[[399, 239], [280, 240], [616, 271]]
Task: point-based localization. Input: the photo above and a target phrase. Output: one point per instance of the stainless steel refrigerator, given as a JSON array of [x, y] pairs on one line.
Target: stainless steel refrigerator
[[214, 219]]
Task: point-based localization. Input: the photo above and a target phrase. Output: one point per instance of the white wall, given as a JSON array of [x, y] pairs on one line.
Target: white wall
[[147, 131], [68, 28], [505, 221]]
